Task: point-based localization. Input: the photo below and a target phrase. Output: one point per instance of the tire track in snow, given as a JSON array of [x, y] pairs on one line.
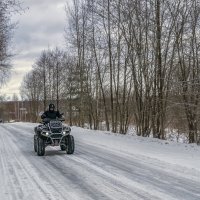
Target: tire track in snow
[[93, 183], [71, 175], [144, 174], [95, 172], [26, 182]]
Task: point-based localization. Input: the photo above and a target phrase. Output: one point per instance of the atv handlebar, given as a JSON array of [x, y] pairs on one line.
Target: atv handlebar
[[47, 120]]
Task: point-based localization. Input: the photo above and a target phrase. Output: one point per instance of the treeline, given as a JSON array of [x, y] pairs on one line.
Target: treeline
[[127, 62]]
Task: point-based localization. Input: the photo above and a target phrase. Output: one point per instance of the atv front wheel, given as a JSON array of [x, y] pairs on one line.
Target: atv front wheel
[[35, 143], [70, 144], [40, 147]]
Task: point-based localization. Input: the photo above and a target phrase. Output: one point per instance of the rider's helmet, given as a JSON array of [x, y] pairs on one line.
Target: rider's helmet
[[51, 107]]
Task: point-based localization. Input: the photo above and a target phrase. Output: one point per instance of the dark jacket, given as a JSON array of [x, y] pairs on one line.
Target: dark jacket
[[51, 114]]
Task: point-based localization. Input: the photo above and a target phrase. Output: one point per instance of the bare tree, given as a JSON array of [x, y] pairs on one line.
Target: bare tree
[[6, 8], [128, 62]]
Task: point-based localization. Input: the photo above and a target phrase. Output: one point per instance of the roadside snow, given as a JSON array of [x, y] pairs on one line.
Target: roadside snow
[[185, 155]]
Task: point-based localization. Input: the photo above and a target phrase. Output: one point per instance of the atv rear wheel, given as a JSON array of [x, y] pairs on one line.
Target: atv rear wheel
[[40, 147], [35, 143], [70, 144]]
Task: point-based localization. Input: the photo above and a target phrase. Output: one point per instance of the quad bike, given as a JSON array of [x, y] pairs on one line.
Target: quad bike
[[53, 133]]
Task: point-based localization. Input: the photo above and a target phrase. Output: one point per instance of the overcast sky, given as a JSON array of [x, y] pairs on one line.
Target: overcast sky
[[40, 27]]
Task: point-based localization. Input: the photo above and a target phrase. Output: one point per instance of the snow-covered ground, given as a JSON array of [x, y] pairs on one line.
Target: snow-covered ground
[[104, 166]]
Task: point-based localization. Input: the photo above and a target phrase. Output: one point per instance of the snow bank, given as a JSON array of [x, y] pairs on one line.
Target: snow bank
[[184, 155]]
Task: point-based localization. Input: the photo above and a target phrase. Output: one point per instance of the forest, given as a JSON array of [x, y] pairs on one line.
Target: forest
[[126, 63]]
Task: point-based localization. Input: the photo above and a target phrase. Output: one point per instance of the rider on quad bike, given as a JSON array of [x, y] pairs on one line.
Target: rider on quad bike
[[51, 113], [51, 132]]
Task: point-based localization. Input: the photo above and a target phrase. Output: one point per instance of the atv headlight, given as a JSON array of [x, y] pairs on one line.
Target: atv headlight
[[65, 132], [47, 133]]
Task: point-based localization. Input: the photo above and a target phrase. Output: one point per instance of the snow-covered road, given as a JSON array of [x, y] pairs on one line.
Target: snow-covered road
[[93, 172]]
